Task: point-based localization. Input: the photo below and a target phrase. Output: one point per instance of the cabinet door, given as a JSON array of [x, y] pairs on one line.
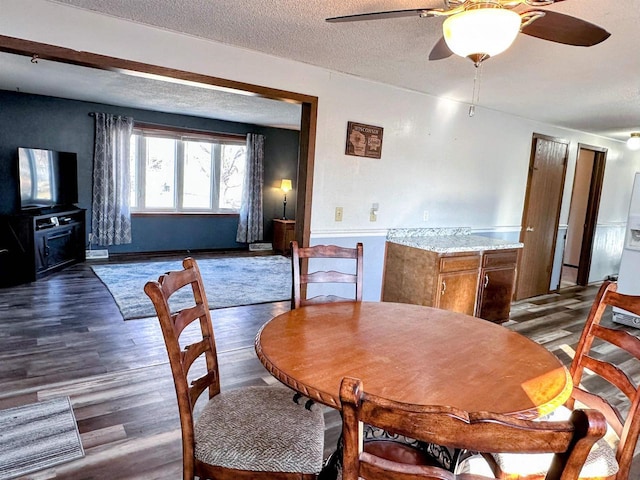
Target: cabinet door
[[497, 280], [61, 246], [458, 291], [496, 293], [57, 246]]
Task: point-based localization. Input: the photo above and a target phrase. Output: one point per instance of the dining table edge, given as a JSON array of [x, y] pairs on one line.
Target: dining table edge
[[291, 382]]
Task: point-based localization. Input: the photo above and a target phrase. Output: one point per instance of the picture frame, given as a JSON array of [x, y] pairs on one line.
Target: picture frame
[[363, 140]]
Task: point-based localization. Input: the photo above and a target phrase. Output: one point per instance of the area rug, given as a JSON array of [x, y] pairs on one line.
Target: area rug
[[229, 282], [38, 436]]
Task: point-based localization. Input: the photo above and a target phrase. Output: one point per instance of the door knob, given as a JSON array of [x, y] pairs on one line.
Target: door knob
[[530, 229]]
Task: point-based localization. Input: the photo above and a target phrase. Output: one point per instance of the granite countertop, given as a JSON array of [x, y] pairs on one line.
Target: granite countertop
[[448, 240]]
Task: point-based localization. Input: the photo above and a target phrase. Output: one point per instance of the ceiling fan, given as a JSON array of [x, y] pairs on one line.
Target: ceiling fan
[[479, 29]]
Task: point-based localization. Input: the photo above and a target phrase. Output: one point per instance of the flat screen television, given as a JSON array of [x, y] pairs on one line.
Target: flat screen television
[[47, 178]]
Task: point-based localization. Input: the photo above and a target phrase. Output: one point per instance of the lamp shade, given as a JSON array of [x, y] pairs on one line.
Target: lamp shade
[[285, 185], [481, 31], [633, 143]]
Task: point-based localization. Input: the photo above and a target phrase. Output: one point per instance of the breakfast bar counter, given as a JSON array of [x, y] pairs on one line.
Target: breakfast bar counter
[[451, 242], [451, 269]]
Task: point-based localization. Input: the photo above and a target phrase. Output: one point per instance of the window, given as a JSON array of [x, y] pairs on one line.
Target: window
[[176, 171]]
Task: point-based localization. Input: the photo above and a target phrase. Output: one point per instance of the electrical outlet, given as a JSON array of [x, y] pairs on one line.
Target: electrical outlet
[[338, 217], [425, 216]]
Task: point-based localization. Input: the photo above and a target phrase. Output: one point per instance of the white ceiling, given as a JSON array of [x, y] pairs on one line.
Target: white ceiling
[[595, 89]]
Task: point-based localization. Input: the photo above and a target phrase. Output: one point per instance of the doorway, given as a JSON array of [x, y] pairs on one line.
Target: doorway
[[309, 104], [583, 214]]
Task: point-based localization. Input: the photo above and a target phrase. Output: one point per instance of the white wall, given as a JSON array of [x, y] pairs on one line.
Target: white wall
[[464, 171]]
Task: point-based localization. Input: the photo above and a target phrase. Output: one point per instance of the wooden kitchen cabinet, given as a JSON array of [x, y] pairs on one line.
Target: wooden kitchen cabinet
[[422, 277], [476, 283], [284, 232], [497, 279]]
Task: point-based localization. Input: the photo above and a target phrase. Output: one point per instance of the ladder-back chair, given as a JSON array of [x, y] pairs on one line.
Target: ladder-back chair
[[301, 281], [245, 433], [602, 385], [569, 441]]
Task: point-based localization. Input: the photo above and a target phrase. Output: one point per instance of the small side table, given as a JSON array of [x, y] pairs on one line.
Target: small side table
[[284, 232]]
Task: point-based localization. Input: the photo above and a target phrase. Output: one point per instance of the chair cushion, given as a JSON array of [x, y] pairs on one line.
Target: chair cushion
[[601, 462], [260, 429]]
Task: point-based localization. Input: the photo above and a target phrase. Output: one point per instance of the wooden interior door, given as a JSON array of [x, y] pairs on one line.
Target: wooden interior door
[[547, 170]]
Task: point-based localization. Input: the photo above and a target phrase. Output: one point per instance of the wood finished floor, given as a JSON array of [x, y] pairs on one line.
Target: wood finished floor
[[64, 335]]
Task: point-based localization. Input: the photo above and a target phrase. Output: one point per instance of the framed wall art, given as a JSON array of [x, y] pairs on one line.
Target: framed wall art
[[363, 140]]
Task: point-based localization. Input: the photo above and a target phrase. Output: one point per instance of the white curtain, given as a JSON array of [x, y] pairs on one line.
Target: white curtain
[[110, 213], [250, 228]]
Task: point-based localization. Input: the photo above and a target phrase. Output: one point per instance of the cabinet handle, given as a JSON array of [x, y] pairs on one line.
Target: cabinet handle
[[530, 229], [444, 287], [486, 280]]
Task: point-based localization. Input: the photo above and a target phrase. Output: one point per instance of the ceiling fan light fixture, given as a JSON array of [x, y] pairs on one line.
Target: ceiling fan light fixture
[[481, 32], [633, 143]]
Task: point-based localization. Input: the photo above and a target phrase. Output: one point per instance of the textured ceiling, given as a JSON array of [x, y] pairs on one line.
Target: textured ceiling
[[101, 86], [594, 89]]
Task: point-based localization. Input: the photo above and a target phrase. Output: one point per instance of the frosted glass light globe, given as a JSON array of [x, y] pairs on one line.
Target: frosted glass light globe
[[482, 31], [634, 141]]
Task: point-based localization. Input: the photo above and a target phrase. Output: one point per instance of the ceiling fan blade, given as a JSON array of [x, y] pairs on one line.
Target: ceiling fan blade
[[560, 28], [419, 12], [440, 50]]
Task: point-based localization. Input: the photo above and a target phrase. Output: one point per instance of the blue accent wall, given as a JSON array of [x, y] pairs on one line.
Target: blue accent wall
[[65, 125]]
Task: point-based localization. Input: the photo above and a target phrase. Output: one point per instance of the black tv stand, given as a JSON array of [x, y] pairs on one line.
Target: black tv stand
[[40, 242]]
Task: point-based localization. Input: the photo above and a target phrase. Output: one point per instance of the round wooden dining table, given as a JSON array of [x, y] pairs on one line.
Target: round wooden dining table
[[412, 354]]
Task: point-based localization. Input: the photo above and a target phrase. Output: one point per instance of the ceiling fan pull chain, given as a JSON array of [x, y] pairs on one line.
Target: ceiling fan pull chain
[[475, 97]]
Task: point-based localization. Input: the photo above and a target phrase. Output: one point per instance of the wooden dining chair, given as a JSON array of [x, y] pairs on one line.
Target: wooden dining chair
[[328, 252], [384, 444], [568, 441], [245, 433], [601, 385]]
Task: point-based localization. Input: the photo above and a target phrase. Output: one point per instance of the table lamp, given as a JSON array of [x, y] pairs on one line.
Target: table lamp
[[285, 186]]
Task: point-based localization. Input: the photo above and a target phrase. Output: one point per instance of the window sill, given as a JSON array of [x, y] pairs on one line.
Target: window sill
[[182, 214]]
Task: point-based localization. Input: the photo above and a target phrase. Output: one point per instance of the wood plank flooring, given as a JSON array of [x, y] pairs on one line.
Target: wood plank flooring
[[64, 335]]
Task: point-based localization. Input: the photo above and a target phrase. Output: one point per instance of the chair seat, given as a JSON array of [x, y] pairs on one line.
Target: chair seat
[[600, 464], [260, 429]]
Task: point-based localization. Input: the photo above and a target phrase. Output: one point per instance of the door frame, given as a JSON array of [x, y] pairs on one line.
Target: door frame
[[309, 103], [593, 206]]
